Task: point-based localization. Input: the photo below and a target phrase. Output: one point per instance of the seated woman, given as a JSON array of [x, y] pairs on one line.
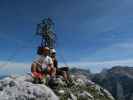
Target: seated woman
[[59, 71]]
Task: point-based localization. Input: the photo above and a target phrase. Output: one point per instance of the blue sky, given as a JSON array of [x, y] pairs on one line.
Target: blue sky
[[89, 31]]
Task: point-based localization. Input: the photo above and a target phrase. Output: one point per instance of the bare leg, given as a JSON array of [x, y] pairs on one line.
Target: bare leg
[[65, 75], [52, 71]]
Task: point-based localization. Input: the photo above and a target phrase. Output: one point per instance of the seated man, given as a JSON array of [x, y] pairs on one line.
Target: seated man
[[44, 64], [59, 71]]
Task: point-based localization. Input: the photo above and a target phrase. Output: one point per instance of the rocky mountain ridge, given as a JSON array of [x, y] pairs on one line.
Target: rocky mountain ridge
[[118, 80], [80, 88]]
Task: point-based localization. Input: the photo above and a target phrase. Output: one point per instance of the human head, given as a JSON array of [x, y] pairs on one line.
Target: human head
[[52, 52], [45, 51]]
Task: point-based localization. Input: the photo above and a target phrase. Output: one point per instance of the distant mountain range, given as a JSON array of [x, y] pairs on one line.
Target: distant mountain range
[[118, 80]]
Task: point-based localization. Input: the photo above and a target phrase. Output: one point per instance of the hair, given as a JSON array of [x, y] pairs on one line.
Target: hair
[[39, 50]]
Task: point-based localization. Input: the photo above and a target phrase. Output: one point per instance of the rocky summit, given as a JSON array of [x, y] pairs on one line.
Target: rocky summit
[[78, 88]]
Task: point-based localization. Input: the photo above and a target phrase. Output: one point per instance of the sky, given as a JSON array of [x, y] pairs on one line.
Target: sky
[[92, 34]]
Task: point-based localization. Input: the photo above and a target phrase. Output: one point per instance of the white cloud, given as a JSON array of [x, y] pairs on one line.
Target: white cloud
[[126, 45], [121, 50], [7, 67], [95, 66], [98, 66]]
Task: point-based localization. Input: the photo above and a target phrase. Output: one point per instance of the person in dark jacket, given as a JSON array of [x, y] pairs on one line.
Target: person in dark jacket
[[59, 71]]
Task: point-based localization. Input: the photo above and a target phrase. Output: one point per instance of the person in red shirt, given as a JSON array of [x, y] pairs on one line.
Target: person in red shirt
[[42, 65]]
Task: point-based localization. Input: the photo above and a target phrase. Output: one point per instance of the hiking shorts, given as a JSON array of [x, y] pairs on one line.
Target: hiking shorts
[[45, 70]]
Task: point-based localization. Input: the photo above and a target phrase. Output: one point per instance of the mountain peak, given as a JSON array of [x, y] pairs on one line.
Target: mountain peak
[[122, 70], [22, 88]]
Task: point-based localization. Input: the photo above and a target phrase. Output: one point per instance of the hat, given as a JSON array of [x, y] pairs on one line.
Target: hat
[[45, 48], [53, 51]]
